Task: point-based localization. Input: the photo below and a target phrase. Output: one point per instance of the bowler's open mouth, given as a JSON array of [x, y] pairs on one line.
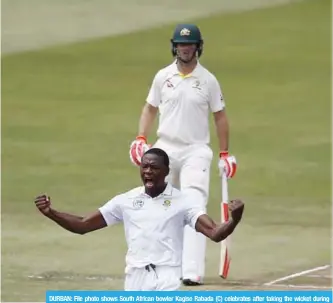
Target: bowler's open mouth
[[149, 182]]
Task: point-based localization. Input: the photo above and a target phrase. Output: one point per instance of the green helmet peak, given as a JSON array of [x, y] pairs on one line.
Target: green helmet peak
[[187, 33]]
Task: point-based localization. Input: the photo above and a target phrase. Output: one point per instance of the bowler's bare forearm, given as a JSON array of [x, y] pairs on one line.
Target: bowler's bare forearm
[[224, 230], [147, 118], [222, 129], [215, 232], [77, 224]]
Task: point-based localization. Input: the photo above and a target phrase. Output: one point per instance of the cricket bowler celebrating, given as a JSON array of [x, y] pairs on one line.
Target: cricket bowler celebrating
[[154, 216], [185, 93]]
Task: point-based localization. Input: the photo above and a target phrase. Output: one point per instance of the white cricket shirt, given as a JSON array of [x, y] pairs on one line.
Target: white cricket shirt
[[185, 103], [153, 226]]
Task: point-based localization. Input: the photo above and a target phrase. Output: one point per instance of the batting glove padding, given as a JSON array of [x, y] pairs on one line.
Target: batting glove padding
[[228, 164], [138, 147]]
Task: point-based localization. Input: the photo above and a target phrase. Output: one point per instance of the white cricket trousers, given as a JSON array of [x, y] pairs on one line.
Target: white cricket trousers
[[153, 277], [190, 170]]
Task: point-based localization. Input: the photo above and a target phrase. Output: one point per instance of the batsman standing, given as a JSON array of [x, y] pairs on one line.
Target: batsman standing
[[185, 93]]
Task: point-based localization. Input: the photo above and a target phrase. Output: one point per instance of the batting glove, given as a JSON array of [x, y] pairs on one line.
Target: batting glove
[[227, 164], [138, 147]]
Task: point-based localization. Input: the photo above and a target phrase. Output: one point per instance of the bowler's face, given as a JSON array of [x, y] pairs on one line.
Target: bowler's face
[[153, 171]]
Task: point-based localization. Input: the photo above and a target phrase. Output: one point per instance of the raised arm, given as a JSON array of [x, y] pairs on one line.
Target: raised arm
[[75, 224], [218, 232]]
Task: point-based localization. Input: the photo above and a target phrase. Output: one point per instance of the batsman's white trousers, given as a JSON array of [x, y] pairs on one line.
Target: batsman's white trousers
[[153, 278], [190, 170]]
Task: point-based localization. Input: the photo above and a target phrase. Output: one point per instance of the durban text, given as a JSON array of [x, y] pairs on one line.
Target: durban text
[[60, 298]]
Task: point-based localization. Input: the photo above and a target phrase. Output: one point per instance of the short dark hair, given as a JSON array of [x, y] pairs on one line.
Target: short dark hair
[[161, 153]]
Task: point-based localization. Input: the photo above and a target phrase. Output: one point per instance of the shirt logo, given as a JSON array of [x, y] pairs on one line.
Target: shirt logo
[[185, 32], [197, 85], [166, 203], [138, 204], [169, 84]]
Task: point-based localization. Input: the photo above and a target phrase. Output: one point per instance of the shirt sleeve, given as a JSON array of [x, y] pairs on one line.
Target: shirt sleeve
[[154, 95], [192, 215], [194, 210], [216, 99], [112, 211]]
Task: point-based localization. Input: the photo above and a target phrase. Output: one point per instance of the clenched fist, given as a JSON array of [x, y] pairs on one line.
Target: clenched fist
[[43, 203], [236, 208]]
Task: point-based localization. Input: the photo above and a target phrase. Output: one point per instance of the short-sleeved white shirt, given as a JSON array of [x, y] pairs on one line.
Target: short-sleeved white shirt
[[153, 226], [185, 103]]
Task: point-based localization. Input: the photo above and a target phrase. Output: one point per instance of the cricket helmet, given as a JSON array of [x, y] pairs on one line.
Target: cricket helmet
[[187, 33]]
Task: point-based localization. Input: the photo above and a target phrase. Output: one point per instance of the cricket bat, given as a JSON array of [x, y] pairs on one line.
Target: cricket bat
[[225, 257]]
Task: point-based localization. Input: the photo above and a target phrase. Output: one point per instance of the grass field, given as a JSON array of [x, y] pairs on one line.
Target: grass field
[[33, 24], [69, 114]]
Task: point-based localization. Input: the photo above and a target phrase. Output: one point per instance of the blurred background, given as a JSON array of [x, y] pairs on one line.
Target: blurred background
[[75, 75]]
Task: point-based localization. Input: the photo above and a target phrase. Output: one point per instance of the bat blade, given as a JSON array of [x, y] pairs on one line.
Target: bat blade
[[225, 256]]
